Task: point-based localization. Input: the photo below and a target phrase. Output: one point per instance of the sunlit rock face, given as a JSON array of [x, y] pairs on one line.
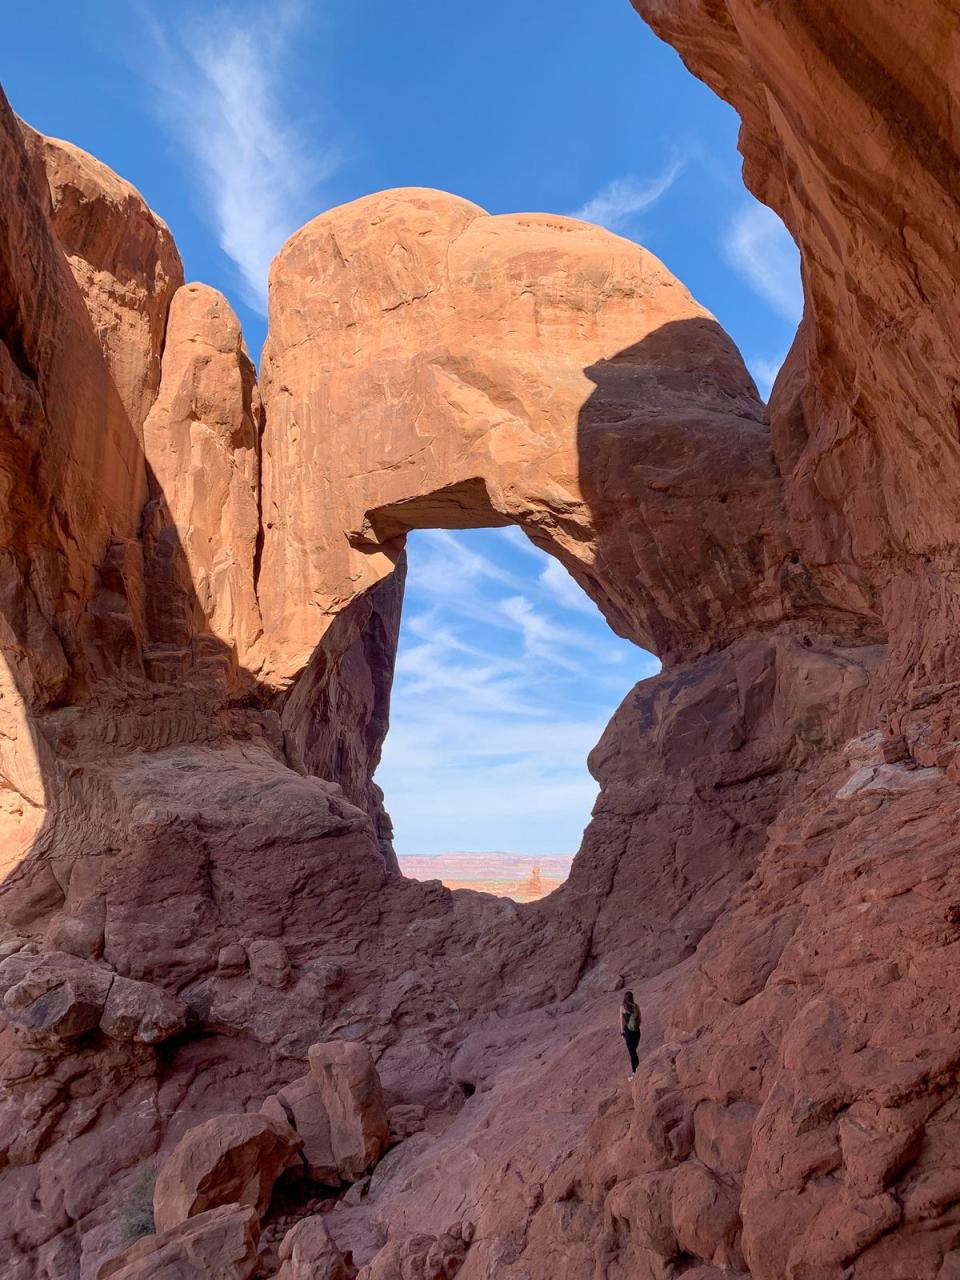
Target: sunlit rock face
[[430, 365], [200, 605], [202, 439], [72, 460]]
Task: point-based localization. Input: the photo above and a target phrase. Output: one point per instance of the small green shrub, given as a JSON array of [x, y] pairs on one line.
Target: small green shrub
[[136, 1216]]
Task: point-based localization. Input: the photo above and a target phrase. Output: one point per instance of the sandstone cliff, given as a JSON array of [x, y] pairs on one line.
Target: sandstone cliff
[[201, 593]]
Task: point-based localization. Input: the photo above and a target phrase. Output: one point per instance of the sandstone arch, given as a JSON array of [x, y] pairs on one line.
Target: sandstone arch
[[527, 369], [431, 365]]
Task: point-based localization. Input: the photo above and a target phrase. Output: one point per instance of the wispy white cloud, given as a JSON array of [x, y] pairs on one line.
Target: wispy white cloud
[[565, 590], [448, 562], [760, 248], [625, 198], [219, 83], [545, 638]]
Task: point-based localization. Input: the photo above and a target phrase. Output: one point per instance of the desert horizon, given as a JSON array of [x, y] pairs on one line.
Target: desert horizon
[[525, 877]]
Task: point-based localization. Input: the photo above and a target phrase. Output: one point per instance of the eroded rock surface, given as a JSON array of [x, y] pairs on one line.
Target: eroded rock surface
[[868, 394], [202, 437], [308, 1253], [122, 256]]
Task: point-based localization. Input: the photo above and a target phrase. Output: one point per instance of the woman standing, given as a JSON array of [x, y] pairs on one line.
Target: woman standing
[[630, 1028]]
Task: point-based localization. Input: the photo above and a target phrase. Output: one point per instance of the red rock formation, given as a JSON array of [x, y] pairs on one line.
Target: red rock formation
[[351, 1095], [202, 439], [308, 1253], [122, 257], [337, 1109], [229, 1160], [72, 493], [510, 390], [771, 865], [848, 134]]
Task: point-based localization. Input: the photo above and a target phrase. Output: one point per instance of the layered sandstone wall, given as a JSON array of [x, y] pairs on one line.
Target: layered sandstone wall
[[431, 366]]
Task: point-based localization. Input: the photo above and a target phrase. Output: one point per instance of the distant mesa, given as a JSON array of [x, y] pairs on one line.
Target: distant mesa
[[522, 877]]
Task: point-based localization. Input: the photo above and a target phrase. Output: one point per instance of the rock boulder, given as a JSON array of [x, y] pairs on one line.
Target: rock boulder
[[308, 1253], [301, 1103], [230, 1159], [141, 1011], [58, 993], [351, 1096], [337, 1109]]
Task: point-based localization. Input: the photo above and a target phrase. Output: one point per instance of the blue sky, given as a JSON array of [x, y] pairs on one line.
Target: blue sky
[[506, 676], [239, 122]]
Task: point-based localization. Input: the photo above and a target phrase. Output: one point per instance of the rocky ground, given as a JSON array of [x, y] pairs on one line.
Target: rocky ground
[[209, 964]]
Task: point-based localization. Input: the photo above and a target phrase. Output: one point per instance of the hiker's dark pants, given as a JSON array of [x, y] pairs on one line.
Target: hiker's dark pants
[[631, 1039]]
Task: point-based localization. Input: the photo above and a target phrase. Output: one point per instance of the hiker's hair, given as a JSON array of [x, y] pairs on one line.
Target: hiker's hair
[[628, 998]]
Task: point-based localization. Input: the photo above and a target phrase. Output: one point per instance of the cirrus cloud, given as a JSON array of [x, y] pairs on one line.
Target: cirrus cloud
[[219, 84], [623, 199]]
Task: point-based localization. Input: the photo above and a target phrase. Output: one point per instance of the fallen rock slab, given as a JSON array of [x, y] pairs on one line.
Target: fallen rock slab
[[230, 1159], [220, 1244]]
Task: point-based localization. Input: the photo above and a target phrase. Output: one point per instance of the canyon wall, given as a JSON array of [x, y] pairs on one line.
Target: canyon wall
[[200, 603]]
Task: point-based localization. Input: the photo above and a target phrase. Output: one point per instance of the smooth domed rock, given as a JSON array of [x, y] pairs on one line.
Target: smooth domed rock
[[529, 369]]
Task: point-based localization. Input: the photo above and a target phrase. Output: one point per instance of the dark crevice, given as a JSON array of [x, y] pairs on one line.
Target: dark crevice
[[260, 423]]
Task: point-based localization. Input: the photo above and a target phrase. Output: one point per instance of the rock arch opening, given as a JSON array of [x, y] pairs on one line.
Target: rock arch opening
[[506, 677]]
